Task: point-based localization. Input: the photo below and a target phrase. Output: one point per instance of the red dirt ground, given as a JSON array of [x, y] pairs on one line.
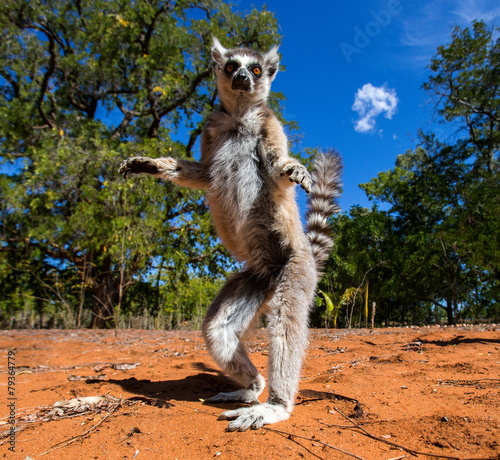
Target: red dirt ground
[[434, 390]]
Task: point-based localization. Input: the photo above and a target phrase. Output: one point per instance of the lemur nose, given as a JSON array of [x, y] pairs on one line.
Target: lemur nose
[[242, 76]]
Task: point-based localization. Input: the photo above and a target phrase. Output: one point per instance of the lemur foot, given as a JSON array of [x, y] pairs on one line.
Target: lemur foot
[[254, 417], [246, 396], [298, 174]]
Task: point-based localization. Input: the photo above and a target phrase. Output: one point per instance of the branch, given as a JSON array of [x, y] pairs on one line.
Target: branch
[[45, 81], [83, 435], [291, 436], [13, 83], [192, 139], [80, 12], [189, 207], [151, 28], [153, 129], [74, 102], [195, 133], [119, 130], [192, 88], [474, 108], [398, 446]]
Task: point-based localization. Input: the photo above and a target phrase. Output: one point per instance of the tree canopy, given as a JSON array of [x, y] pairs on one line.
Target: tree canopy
[[438, 244], [84, 85]]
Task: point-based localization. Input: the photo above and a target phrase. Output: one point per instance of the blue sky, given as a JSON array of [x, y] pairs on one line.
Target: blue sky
[[376, 50]]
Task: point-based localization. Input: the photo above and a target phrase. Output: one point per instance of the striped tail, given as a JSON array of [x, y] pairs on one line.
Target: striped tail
[[322, 203]]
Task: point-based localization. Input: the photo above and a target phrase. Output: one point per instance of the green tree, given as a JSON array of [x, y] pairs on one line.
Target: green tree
[[359, 259], [465, 83], [433, 253], [445, 197], [84, 85]]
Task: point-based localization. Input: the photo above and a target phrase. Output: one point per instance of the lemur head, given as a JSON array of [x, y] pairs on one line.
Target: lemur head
[[243, 75]]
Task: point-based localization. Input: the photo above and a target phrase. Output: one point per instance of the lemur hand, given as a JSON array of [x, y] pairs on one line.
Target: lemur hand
[[161, 167], [298, 174], [138, 165]]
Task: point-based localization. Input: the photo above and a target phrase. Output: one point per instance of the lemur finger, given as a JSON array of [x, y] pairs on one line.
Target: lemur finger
[[254, 417], [229, 414], [288, 171], [300, 175], [241, 420], [306, 184], [124, 170]]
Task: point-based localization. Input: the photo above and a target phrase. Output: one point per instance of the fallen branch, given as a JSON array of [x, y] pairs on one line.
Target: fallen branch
[[326, 395], [83, 435], [479, 383], [291, 436], [366, 422], [399, 446], [77, 407]]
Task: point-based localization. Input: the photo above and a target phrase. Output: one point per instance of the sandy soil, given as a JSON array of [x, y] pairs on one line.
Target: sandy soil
[[433, 390]]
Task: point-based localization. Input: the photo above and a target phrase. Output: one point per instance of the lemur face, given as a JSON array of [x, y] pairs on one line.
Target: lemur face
[[244, 72]]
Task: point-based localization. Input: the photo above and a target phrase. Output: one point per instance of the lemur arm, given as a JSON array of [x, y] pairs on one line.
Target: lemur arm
[[286, 170], [185, 173]]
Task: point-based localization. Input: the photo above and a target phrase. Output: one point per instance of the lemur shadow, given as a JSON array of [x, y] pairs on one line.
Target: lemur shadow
[[460, 339], [197, 387]]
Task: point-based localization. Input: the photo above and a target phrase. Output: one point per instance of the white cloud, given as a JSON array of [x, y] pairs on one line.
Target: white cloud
[[370, 102]]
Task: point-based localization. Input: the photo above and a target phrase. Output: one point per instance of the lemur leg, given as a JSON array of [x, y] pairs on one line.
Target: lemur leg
[[228, 318], [288, 331], [186, 173]]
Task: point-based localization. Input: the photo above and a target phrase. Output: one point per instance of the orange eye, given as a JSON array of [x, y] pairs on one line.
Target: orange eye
[[257, 71], [229, 68]]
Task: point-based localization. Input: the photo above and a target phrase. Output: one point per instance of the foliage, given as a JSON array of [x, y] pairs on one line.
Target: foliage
[[438, 244], [84, 85]]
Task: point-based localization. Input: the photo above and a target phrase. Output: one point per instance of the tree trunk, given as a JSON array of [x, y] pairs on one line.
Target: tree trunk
[[105, 295], [449, 312]]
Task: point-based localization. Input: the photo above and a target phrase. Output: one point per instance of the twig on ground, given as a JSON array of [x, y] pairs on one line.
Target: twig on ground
[[399, 446], [366, 422], [479, 383], [291, 435], [5, 435], [83, 435], [326, 395], [292, 438]]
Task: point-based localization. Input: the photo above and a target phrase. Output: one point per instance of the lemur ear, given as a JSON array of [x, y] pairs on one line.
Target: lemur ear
[[272, 61], [218, 51]]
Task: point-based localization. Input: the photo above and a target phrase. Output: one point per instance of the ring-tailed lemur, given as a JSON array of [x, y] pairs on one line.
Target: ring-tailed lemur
[[249, 181]]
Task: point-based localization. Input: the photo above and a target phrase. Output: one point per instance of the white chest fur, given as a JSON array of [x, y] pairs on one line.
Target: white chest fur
[[235, 175]]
